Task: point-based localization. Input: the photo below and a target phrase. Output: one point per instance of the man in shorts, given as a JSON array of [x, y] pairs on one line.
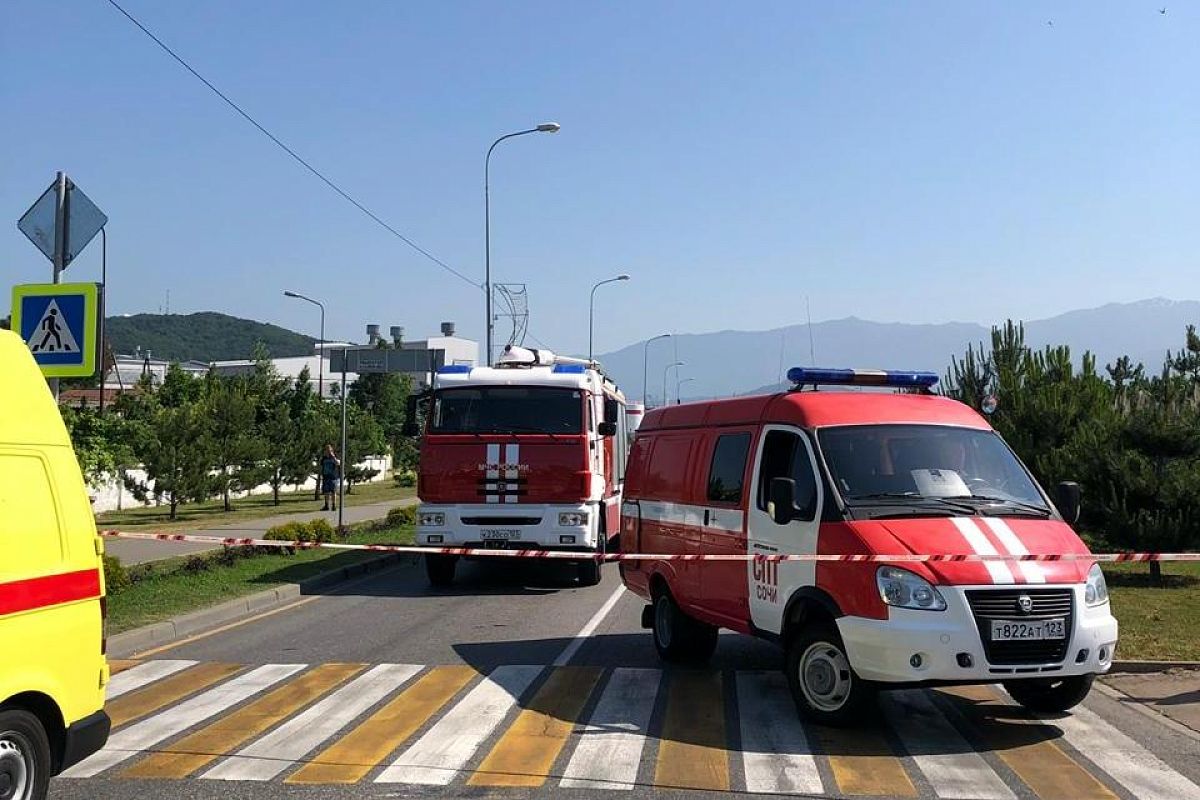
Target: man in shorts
[[330, 468]]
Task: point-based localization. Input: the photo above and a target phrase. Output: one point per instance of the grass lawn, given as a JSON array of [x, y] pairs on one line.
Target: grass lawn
[[208, 514], [169, 589], [1157, 623]]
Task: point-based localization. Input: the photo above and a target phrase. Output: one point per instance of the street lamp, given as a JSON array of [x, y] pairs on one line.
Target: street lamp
[[666, 397], [592, 308], [678, 384], [545, 127], [321, 360], [646, 363]]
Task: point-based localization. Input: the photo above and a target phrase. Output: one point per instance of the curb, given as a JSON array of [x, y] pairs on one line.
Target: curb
[[156, 634], [1151, 666]]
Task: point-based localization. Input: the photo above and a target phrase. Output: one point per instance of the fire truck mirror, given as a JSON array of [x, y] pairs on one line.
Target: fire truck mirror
[[607, 429], [783, 500], [1069, 501]]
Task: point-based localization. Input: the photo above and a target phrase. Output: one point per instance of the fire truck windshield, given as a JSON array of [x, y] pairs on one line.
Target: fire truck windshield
[[507, 409], [895, 464]]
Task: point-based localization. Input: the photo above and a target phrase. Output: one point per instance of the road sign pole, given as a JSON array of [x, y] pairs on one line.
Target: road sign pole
[[60, 243], [342, 481]]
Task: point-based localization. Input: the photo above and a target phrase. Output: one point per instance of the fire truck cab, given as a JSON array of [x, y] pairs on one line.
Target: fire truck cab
[[846, 474], [527, 455]]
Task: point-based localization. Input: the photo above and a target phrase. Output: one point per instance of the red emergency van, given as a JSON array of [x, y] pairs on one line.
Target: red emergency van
[[857, 472], [529, 454]]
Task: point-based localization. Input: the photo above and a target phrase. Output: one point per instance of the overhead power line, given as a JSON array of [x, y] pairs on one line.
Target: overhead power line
[[295, 156]]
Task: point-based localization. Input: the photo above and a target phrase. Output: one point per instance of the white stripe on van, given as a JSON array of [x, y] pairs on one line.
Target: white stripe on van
[[724, 519], [1032, 570], [983, 546]]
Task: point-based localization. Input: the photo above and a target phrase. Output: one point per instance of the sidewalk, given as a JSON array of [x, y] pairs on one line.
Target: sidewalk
[[1174, 693], [135, 551]]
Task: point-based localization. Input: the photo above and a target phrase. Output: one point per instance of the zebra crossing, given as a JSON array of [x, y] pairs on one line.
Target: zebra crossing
[[580, 727]]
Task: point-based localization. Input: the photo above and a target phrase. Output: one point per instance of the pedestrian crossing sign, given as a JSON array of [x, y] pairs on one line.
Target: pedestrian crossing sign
[[60, 324]]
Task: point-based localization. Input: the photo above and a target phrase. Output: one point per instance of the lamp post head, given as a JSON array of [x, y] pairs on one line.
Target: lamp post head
[[289, 293], [622, 277], [549, 127]]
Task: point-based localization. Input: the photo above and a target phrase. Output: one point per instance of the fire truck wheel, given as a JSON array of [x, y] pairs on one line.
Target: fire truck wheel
[[1050, 694], [677, 637], [589, 573], [824, 686], [440, 569]]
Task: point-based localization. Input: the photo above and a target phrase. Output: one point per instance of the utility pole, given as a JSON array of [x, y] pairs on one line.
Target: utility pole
[[342, 481]]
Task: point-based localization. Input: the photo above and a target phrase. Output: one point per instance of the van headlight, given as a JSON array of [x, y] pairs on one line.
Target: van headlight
[[431, 519], [1096, 591], [572, 519], [904, 589]]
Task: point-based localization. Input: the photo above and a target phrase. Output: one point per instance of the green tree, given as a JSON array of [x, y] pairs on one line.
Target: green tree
[[176, 457], [104, 444], [232, 432]]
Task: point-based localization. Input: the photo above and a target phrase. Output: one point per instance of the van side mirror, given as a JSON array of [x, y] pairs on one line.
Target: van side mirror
[[1069, 501], [783, 500], [607, 429]]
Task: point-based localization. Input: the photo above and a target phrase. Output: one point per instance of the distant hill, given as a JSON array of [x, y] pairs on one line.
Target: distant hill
[[740, 362], [206, 336]]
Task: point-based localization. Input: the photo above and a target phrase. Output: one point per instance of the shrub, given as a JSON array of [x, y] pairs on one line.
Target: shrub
[[116, 577], [401, 517], [195, 563], [405, 478], [319, 530]]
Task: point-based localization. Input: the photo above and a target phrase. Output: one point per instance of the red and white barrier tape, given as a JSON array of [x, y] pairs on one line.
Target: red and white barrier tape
[[768, 557]]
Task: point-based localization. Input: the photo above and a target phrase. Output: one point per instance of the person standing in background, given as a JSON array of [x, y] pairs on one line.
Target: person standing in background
[[330, 472]]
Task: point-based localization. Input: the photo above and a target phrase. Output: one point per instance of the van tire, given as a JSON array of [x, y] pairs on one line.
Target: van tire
[[678, 638], [1053, 695], [440, 570], [824, 686], [24, 753]]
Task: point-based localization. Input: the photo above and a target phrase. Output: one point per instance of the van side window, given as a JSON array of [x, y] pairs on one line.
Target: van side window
[[785, 456], [725, 474], [30, 536]]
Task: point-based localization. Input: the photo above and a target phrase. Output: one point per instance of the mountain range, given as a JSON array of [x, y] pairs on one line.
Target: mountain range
[[206, 336], [747, 362]]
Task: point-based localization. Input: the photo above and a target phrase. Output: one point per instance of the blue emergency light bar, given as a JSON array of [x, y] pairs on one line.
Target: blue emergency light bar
[[569, 369], [454, 369], [809, 376]]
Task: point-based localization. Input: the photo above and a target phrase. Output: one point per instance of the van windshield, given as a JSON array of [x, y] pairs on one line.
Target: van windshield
[[507, 409], [962, 469]]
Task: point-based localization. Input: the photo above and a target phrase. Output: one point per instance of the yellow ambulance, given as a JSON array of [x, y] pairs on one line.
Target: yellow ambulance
[[52, 665]]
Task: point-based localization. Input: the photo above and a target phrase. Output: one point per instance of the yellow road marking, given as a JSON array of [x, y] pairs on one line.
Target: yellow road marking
[[527, 751], [356, 753], [162, 693], [197, 637], [1026, 746], [692, 752], [864, 763], [221, 737], [117, 665]]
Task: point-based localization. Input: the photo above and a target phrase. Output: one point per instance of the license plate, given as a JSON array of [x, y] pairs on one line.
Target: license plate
[[1017, 630], [500, 534]]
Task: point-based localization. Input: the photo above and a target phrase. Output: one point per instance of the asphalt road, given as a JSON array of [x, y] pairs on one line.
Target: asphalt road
[[516, 681]]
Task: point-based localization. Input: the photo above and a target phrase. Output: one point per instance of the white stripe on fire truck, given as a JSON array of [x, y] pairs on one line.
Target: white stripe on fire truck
[[492, 473], [512, 457], [983, 546], [724, 519], [1032, 570]]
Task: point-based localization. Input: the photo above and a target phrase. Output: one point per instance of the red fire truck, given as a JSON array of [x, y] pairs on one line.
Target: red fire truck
[[529, 454]]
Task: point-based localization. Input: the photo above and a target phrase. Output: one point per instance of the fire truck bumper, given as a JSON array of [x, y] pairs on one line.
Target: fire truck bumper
[[543, 527]]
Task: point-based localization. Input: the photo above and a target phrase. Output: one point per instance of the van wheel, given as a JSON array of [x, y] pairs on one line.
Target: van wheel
[[440, 569], [24, 756], [1050, 694], [589, 573], [823, 684], [677, 637]]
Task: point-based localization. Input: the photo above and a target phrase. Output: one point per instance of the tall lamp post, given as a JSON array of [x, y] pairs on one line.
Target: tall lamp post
[[672, 365], [646, 364], [545, 127], [679, 384], [592, 308], [321, 359]]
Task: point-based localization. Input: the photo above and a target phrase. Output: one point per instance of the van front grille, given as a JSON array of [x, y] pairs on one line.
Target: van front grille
[[1003, 604]]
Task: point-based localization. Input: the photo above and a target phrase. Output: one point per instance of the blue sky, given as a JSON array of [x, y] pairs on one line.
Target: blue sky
[[915, 162]]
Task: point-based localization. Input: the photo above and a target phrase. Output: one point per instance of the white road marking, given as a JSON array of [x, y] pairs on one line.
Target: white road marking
[[983, 546], [436, 758], [126, 743], [587, 630], [1032, 570], [142, 674], [775, 752], [302, 734], [1132, 765], [610, 751], [948, 761]]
